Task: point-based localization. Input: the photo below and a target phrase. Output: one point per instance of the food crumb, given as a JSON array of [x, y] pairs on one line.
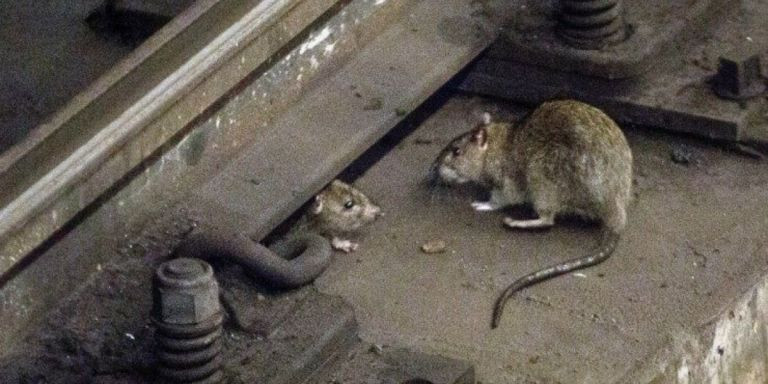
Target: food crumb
[[433, 246]]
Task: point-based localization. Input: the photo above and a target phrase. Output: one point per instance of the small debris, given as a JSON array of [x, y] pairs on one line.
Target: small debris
[[373, 104], [543, 301], [720, 351], [578, 274], [745, 150], [419, 141], [433, 246], [533, 359], [703, 63], [469, 285], [260, 297], [254, 181], [400, 112], [130, 336], [701, 258], [377, 349], [682, 154]]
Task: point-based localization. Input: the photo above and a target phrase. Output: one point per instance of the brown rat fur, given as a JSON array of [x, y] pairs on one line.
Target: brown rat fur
[[566, 157]]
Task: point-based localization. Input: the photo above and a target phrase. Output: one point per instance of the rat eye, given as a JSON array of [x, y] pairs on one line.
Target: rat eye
[[349, 204], [456, 151]]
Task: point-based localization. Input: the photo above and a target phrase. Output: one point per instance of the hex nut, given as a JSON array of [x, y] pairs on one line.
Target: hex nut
[[185, 292]]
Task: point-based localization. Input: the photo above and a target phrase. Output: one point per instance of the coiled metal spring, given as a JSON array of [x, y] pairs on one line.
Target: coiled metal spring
[[592, 24], [188, 319]]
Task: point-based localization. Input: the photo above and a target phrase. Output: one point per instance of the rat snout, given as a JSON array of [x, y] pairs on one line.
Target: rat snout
[[373, 211], [450, 176]]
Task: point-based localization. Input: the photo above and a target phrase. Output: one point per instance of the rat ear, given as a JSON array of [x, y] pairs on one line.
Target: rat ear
[[317, 205], [337, 183], [486, 118], [480, 137]]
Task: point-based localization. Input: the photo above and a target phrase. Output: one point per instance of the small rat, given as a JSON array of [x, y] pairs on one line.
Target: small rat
[[338, 211], [566, 157], [300, 256]]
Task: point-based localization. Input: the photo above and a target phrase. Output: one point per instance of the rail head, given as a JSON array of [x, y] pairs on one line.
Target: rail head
[[123, 118]]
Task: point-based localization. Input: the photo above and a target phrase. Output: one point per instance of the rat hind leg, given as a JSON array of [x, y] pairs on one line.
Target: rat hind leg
[[544, 221], [614, 215], [546, 205]]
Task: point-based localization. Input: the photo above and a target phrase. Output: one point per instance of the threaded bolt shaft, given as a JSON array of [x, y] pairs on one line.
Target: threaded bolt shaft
[[188, 317], [591, 24]]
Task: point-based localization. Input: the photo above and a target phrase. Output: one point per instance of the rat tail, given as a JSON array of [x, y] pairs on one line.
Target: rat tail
[[607, 245]]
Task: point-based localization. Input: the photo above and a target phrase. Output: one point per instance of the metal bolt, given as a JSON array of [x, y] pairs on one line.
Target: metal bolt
[[185, 292], [592, 24], [187, 313], [738, 77]]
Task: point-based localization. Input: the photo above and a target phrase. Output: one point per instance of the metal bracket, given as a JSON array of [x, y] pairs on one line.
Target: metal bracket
[[675, 95]]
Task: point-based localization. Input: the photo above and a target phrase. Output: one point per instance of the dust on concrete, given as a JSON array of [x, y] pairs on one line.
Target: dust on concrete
[[102, 330], [103, 333], [696, 239]]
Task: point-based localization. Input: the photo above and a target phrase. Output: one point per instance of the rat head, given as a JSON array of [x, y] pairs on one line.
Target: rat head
[[463, 159], [342, 208]]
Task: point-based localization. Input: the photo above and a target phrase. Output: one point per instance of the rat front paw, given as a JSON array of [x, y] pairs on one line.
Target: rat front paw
[[346, 246], [484, 206]]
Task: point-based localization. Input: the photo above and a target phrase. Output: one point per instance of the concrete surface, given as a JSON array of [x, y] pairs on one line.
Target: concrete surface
[[729, 349], [697, 239], [375, 364], [102, 333]]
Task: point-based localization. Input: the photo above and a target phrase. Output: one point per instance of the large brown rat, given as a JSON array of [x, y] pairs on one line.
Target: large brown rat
[[338, 211], [566, 157]]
